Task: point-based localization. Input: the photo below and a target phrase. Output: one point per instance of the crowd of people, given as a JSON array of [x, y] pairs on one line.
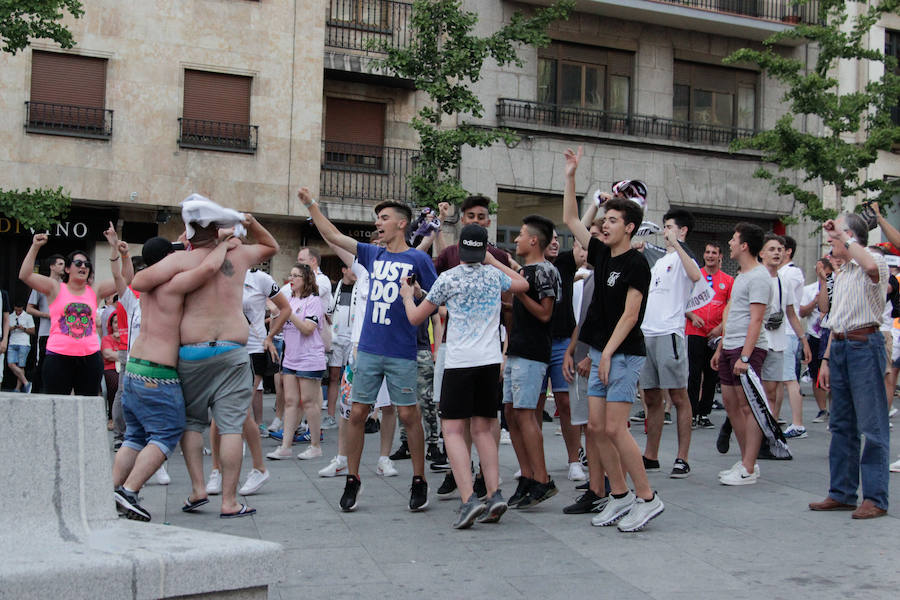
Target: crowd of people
[[461, 344]]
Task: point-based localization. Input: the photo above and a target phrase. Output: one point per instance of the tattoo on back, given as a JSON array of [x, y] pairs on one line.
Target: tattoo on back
[[227, 268]]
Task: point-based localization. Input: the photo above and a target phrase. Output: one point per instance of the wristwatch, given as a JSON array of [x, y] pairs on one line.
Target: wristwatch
[[848, 242], [745, 359]]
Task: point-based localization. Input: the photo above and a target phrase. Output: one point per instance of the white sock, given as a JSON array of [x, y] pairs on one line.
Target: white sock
[[341, 458], [381, 457]]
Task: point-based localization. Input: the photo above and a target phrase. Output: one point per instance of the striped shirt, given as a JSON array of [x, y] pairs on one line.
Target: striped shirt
[[858, 301]]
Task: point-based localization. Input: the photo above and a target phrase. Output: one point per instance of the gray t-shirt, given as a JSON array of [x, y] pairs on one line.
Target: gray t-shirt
[[753, 287], [40, 302]]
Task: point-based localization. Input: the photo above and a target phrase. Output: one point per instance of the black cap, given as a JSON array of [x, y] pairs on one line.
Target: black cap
[[156, 249], [472, 243]]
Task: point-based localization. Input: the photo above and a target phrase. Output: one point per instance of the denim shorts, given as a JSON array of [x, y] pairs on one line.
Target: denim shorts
[[624, 372], [154, 412], [16, 354], [303, 374], [554, 374], [522, 381], [370, 370], [789, 367]]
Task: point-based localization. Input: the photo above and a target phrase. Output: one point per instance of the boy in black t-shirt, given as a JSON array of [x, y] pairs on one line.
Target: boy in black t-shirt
[[529, 355], [612, 329]]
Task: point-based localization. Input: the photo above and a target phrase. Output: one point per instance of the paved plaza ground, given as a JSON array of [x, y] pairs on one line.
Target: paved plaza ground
[[713, 542]]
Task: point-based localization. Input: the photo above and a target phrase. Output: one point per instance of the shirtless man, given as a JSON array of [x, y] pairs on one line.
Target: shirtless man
[[213, 364], [152, 400]]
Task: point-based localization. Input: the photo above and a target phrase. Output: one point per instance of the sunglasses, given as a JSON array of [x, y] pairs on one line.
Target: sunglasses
[[81, 263]]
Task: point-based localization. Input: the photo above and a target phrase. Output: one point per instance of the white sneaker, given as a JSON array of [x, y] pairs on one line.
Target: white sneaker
[[386, 467], [895, 466], [214, 485], [505, 440], [276, 424], [892, 413], [325, 404], [641, 514], [517, 474], [280, 453], [735, 467], [740, 476], [255, 480], [162, 476], [329, 422], [614, 510], [337, 466], [558, 431], [576, 472], [311, 452]]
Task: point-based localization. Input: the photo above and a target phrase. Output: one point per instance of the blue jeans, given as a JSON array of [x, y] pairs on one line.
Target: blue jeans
[[859, 406]]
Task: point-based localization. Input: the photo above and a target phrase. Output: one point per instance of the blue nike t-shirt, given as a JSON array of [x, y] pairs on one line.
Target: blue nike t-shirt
[[386, 330]]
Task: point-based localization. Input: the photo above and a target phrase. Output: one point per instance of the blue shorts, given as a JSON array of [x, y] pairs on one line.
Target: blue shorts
[[371, 369], [789, 367], [303, 374], [154, 412], [624, 373], [522, 380], [554, 375], [16, 354]]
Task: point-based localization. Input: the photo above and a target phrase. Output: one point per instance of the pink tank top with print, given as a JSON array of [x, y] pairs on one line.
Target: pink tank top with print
[[73, 331]]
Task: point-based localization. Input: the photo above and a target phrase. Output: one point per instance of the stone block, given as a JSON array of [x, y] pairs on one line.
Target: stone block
[[61, 533]]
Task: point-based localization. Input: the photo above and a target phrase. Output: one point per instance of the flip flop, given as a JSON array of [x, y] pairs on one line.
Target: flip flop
[[192, 506], [244, 512]]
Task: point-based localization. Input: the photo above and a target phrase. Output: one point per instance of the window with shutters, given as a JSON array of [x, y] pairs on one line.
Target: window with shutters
[[714, 96], [68, 96], [354, 134], [216, 113], [576, 76]]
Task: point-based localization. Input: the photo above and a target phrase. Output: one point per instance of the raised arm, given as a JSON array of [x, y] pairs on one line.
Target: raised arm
[[115, 265], [690, 267], [890, 232], [329, 232], [265, 246], [570, 202], [127, 268], [45, 285]]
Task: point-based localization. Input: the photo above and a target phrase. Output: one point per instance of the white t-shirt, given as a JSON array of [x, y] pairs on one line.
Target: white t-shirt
[[778, 337], [324, 285], [19, 337], [258, 287], [813, 321], [792, 276], [362, 295], [132, 307], [670, 288], [341, 317]]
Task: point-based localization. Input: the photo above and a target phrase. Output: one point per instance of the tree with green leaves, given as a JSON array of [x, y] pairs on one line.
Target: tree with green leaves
[[840, 156], [20, 22], [24, 20], [444, 59]]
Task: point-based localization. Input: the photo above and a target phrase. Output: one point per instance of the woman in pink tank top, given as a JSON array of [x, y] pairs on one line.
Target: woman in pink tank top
[[73, 362]]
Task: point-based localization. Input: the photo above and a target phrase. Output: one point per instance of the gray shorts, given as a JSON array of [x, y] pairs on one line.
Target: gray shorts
[[773, 366], [666, 367], [222, 384]]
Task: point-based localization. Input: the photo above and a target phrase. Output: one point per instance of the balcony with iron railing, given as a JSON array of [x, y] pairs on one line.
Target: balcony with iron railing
[[355, 24], [214, 135], [357, 172], [769, 10], [584, 121], [64, 119]]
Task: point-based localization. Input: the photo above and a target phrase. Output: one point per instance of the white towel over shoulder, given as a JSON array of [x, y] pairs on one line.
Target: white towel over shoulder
[[199, 209]]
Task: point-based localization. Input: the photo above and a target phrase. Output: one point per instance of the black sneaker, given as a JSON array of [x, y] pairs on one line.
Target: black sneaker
[[650, 466], [521, 491], [372, 425], [418, 494], [441, 463], [667, 418], [588, 502], [480, 487], [402, 453], [705, 423], [448, 487], [350, 497], [128, 503], [537, 493], [547, 417], [434, 452], [582, 457], [680, 470], [584, 486], [117, 443], [723, 442], [718, 405], [638, 417]]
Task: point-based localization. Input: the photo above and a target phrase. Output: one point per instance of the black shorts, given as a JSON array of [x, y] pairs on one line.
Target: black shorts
[[258, 362], [469, 392]]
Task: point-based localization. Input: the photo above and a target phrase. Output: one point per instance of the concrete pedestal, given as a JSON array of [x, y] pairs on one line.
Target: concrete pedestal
[[61, 536]]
